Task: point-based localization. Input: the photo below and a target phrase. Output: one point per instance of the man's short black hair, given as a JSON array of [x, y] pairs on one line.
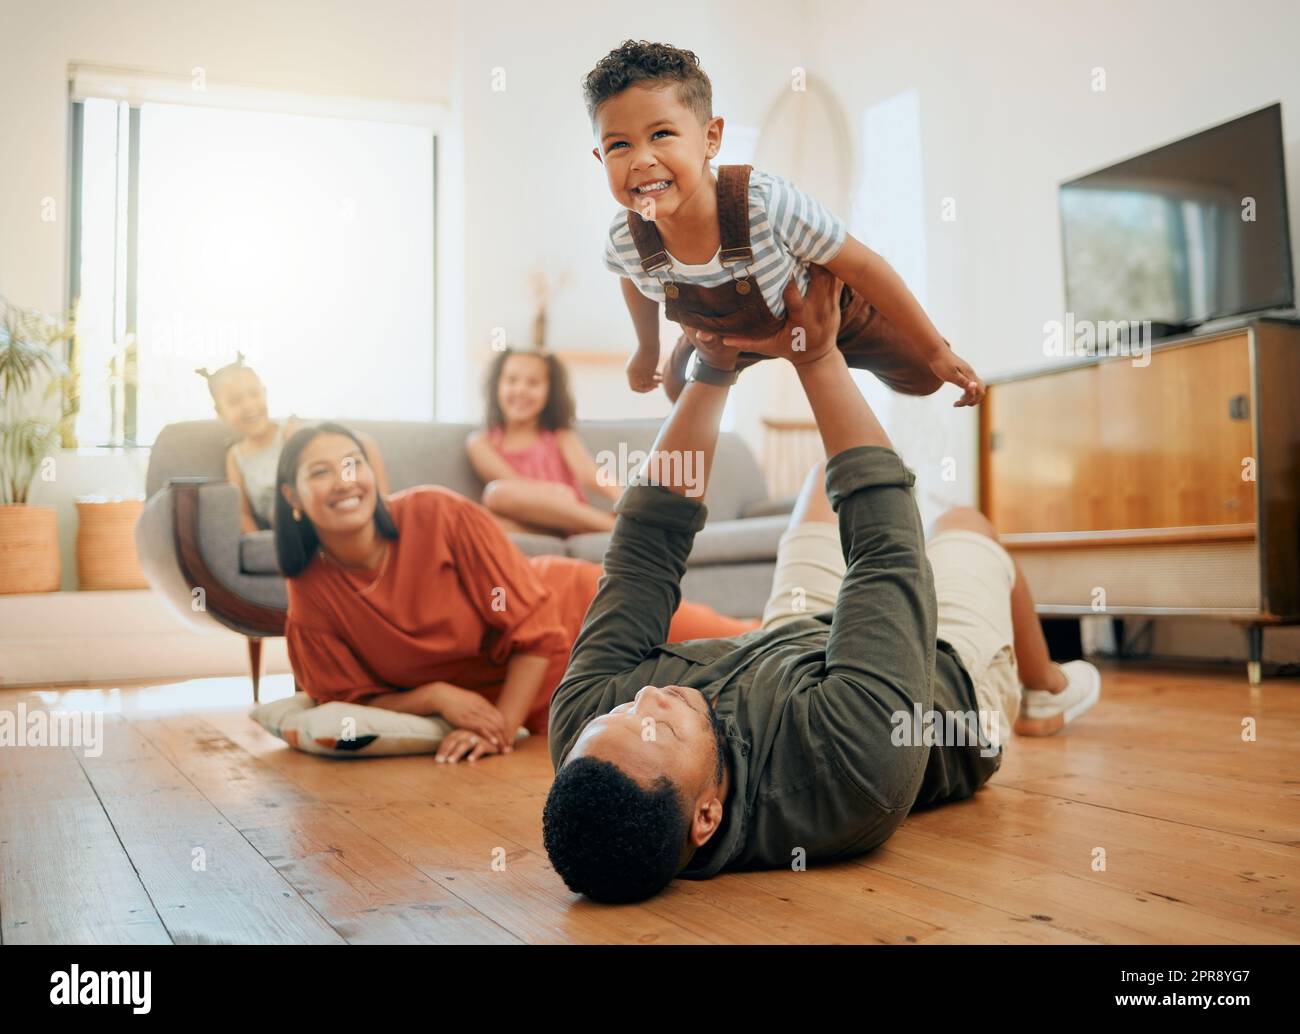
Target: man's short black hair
[[607, 837], [638, 61]]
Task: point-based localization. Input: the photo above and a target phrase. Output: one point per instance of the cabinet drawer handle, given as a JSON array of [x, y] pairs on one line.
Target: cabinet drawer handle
[[1238, 407]]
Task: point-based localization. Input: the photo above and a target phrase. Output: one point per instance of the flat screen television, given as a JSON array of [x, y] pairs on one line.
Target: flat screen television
[[1189, 232]]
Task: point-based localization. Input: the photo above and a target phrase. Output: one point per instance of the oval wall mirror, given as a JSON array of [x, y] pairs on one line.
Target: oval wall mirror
[[805, 138]]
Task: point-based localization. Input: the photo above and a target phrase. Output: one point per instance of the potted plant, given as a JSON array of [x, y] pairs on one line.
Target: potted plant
[[37, 408]]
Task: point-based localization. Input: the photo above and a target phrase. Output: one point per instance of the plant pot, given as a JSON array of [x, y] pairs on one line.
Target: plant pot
[[29, 549], [106, 555]]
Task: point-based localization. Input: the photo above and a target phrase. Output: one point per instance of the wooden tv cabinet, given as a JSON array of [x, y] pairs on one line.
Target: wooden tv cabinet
[[1166, 489]]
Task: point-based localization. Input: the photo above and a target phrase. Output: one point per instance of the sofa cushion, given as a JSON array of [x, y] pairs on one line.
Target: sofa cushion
[[433, 453], [257, 553], [720, 542], [257, 550], [770, 507], [618, 445], [423, 453], [538, 545]]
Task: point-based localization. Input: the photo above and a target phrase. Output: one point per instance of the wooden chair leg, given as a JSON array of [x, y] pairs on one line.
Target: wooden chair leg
[[1255, 654], [255, 662]]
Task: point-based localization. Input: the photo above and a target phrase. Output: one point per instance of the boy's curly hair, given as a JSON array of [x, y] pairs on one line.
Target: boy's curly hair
[[639, 61]]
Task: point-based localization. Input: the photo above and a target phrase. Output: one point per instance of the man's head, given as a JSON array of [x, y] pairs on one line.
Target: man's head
[[651, 109], [640, 791]]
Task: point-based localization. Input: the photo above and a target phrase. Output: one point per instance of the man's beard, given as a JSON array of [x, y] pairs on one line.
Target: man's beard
[[719, 740]]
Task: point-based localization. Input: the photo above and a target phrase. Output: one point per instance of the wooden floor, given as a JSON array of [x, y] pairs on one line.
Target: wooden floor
[[1149, 821]]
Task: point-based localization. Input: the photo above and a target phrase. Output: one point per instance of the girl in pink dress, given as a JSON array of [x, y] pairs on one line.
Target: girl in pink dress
[[534, 466]]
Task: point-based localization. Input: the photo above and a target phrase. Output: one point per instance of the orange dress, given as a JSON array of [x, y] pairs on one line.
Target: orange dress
[[453, 601]]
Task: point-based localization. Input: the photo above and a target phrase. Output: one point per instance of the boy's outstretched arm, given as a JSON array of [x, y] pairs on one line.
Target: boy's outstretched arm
[[643, 367], [875, 279]]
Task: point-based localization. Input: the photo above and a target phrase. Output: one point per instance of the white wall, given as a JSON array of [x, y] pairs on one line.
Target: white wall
[[1006, 107], [442, 51], [1007, 112], [385, 49], [535, 195], [393, 49]]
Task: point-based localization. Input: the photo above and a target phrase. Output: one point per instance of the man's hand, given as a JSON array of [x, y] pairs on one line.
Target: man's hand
[[712, 349], [812, 321]]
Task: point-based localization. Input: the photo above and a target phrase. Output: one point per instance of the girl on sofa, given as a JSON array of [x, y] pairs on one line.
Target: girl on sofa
[[533, 464], [419, 602], [240, 400]]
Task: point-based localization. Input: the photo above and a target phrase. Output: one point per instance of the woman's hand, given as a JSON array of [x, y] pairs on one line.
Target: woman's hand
[[812, 321], [463, 744], [474, 714]]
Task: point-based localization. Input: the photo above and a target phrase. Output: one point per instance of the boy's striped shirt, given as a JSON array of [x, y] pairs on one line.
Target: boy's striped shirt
[[787, 230]]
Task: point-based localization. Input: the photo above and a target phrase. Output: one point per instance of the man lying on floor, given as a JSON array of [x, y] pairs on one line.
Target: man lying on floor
[[801, 741]]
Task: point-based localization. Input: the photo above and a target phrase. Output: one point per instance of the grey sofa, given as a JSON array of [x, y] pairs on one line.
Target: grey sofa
[[193, 552]]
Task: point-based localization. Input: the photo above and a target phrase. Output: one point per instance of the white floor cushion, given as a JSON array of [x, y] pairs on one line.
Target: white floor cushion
[[340, 730]]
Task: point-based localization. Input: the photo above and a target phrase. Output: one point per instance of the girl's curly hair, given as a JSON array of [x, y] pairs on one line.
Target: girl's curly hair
[[559, 412]]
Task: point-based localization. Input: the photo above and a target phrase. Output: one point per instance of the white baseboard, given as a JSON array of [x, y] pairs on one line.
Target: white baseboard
[[70, 638], [61, 638]]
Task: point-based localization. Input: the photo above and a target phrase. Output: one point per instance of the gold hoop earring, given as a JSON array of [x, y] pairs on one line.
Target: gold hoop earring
[[296, 515]]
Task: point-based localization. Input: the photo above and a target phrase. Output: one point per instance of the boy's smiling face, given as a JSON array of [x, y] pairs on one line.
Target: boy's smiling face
[[654, 149]]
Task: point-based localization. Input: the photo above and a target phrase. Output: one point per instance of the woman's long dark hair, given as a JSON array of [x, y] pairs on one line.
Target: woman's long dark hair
[[556, 415], [296, 542]]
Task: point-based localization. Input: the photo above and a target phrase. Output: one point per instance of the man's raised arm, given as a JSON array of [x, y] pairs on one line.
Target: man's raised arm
[[880, 655], [659, 514]]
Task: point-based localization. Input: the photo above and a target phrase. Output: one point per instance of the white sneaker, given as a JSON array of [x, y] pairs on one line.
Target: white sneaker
[[1043, 713]]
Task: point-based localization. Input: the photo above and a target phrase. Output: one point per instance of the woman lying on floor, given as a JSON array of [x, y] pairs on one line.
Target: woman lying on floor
[[419, 603]]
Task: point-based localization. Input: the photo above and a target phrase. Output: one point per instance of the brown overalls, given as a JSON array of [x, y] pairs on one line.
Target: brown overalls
[[867, 339]]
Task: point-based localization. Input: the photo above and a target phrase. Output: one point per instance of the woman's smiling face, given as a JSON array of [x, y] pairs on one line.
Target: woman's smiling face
[[335, 486], [654, 149]]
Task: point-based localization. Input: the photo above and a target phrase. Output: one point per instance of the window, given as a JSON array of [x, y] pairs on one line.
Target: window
[[888, 209], [305, 242]]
